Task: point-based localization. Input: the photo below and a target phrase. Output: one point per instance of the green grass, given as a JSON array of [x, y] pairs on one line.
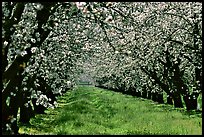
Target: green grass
[[89, 110]]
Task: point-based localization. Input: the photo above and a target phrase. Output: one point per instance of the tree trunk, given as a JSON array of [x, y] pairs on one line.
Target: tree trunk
[[190, 101], [133, 91], [149, 95], [160, 98], [129, 91], [144, 94], [26, 113], [177, 100], [154, 96], [11, 111], [39, 109], [13, 106], [5, 116], [169, 99], [138, 94]]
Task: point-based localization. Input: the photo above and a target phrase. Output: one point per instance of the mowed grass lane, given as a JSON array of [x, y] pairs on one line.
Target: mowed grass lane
[[89, 110]]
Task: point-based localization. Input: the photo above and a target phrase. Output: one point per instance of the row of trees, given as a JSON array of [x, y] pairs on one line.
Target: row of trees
[[139, 48], [152, 48], [39, 58]]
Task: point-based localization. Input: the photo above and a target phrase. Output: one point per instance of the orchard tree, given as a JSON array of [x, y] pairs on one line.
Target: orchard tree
[[28, 65], [22, 31]]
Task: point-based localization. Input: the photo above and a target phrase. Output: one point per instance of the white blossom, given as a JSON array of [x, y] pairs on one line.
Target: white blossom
[[39, 6], [24, 53], [80, 4], [109, 19], [33, 40], [33, 49], [5, 43]]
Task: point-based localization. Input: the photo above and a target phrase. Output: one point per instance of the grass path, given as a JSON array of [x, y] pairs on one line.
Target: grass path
[[92, 111]]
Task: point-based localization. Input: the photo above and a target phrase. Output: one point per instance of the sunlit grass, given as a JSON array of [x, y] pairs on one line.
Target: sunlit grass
[[93, 111]]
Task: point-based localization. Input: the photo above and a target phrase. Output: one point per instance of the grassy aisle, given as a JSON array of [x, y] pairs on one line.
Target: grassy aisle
[[93, 111]]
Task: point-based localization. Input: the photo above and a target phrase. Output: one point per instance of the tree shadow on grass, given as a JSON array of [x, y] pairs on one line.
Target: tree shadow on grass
[[190, 113], [41, 123]]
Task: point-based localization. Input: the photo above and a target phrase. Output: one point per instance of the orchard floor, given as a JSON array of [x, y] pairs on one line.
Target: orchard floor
[[88, 110]]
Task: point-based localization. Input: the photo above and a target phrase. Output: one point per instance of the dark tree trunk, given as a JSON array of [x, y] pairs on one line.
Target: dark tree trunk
[[15, 102], [153, 74], [177, 100], [5, 115], [129, 91], [14, 111], [169, 99], [138, 94], [26, 113], [10, 111], [154, 96], [13, 70], [198, 77], [160, 98], [39, 109], [144, 94], [133, 90], [149, 95], [122, 88], [144, 91], [190, 101]]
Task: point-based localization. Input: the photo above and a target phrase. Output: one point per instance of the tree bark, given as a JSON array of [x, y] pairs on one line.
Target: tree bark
[[154, 96], [38, 109], [160, 98], [138, 94], [149, 95], [26, 113], [144, 94], [13, 112], [13, 70], [191, 101], [177, 100], [169, 99]]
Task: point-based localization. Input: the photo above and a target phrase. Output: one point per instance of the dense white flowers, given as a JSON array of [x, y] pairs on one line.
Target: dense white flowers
[[42, 100]]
